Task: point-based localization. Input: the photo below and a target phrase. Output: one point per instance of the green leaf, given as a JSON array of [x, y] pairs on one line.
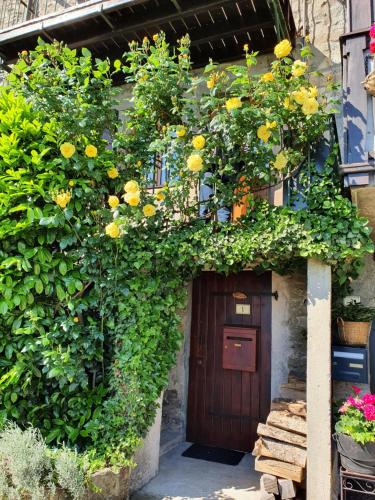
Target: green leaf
[[39, 286], [63, 268]]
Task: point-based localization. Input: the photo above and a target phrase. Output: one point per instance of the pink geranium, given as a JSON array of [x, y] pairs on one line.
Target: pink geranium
[[356, 389], [355, 402], [369, 399], [372, 46], [372, 31], [369, 412]]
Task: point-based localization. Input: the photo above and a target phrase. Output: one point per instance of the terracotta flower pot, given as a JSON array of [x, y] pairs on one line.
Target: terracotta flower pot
[[354, 456]]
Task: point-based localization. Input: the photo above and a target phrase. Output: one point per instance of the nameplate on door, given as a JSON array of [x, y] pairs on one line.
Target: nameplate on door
[[243, 309]]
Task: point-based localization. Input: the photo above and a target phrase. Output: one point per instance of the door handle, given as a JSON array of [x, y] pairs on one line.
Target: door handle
[[237, 345]]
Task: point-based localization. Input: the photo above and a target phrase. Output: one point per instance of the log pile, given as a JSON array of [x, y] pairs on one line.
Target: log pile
[[281, 450]]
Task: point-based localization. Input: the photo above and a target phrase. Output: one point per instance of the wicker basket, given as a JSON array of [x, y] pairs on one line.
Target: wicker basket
[[369, 83], [354, 332]]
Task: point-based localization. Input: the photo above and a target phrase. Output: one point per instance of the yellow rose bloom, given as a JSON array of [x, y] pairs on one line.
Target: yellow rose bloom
[[131, 187], [299, 68], [288, 104], [300, 95], [112, 230], [198, 142], [281, 161], [62, 199], [149, 210], [67, 149], [267, 77], [233, 103], [155, 37], [271, 124], [76, 319], [91, 151], [246, 47], [159, 195], [313, 91], [310, 106], [113, 201], [181, 131], [72, 183], [283, 49], [211, 83], [139, 163], [195, 163], [112, 173], [263, 133], [133, 198]]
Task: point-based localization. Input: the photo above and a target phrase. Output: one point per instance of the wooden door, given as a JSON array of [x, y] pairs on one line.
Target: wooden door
[[225, 405]]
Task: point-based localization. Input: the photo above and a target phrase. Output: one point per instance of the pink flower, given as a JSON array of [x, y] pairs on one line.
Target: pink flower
[[344, 407], [372, 31], [356, 389], [369, 412], [372, 46], [369, 399], [355, 402]]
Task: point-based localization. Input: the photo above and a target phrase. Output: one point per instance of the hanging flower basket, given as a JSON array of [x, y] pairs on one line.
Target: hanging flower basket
[[353, 332], [369, 83]]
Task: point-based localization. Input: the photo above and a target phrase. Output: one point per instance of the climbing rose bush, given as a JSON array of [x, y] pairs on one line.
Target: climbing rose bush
[[357, 417]]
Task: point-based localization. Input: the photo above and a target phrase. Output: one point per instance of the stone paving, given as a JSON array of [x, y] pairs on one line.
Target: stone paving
[[182, 478]]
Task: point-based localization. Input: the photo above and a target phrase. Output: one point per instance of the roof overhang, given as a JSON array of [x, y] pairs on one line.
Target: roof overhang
[[218, 28]]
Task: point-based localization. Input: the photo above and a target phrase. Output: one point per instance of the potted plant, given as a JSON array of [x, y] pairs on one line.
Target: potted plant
[[355, 432], [354, 323]]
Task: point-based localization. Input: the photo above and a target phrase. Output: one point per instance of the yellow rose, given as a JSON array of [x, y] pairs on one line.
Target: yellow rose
[[299, 68], [233, 103], [24, 53], [283, 49], [91, 151], [310, 106], [67, 150], [155, 37], [145, 39], [300, 95], [113, 201], [139, 163], [132, 198], [72, 183], [149, 210], [264, 133], [246, 47], [159, 195], [271, 124], [180, 131], [288, 104], [211, 83], [267, 77], [76, 319], [195, 163], [112, 173], [62, 199], [313, 91], [280, 161], [131, 187], [198, 142], [112, 230]]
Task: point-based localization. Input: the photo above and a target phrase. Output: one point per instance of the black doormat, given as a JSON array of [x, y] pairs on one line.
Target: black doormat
[[219, 455]]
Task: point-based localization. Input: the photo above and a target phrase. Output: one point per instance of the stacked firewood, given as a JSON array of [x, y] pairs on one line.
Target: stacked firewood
[[281, 450]]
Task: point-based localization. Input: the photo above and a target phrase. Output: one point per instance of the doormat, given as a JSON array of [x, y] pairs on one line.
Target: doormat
[[219, 455]]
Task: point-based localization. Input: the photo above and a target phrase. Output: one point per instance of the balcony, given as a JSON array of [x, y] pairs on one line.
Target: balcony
[[218, 28]]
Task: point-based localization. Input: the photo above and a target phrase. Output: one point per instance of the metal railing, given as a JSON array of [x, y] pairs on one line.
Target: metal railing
[[15, 12]]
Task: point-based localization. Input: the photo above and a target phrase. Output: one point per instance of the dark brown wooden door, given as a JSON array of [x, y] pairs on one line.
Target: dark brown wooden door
[[225, 405]]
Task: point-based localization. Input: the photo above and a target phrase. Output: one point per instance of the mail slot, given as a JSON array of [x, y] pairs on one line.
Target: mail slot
[[350, 364], [239, 348]]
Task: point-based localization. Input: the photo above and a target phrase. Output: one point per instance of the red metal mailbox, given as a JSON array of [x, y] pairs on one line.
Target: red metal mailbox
[[240, 348]]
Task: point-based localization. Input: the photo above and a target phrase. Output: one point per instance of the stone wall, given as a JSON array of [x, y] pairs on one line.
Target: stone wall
[[289, 316]]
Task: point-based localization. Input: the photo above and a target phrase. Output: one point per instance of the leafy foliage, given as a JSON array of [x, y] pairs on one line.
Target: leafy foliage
[[92, 280], [355, 311]]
